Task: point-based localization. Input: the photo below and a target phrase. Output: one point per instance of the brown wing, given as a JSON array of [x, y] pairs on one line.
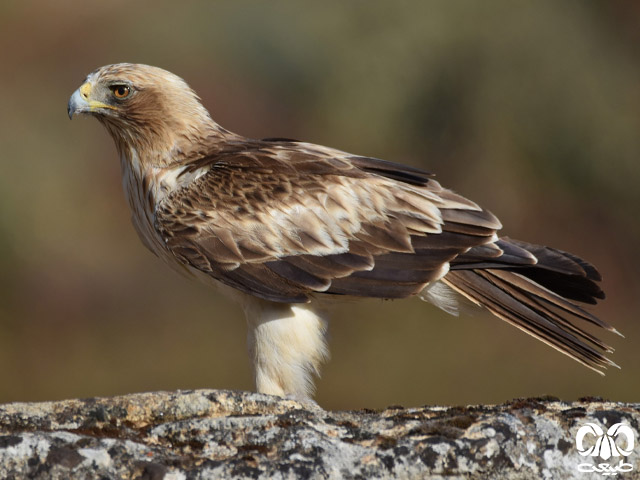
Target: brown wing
[[284, 220]]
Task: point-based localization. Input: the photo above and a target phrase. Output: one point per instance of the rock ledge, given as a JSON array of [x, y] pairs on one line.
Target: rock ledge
[[206, 434]]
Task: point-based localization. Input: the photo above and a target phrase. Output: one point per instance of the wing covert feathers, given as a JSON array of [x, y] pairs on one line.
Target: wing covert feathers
[[284, 221]]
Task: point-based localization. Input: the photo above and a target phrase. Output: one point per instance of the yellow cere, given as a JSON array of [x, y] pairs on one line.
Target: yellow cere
[[85, 91]]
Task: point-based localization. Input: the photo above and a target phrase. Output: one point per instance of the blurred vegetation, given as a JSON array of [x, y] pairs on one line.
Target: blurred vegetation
[[530, 108]]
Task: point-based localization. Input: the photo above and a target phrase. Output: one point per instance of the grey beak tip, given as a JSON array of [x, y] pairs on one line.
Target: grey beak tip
[[74, 104], [71, 108]]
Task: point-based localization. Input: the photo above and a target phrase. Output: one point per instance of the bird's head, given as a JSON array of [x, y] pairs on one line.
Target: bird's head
[[145, 109]]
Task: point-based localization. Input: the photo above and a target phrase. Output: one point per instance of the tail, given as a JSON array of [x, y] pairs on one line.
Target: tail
[[536, 289]]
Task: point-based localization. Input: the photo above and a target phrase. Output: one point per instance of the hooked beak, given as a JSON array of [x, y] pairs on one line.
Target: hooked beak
[[80, 102]]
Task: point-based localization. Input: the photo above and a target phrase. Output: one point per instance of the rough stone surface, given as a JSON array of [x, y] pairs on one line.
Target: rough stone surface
[[221, 434]]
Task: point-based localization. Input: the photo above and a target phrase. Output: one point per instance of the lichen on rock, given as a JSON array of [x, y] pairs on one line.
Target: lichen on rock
[[206, 434]]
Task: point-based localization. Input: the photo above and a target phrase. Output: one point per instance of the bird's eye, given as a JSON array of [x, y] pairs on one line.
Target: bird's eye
[[120, 91]]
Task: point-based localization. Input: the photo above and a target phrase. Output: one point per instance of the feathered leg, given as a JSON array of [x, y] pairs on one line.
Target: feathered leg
[[286, 346]]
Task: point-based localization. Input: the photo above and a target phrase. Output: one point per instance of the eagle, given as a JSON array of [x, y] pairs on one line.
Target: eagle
[[286, 228]]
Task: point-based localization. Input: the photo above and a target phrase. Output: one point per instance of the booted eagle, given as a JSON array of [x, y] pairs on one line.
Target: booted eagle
[[285, 227]]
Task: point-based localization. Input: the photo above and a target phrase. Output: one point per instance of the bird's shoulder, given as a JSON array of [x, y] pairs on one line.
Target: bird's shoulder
[[294, 160]]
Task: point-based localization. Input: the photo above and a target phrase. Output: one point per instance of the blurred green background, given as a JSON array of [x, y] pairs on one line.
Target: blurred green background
[[532, 109]]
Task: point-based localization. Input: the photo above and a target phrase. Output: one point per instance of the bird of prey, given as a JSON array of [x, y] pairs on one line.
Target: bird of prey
[[286, 227]]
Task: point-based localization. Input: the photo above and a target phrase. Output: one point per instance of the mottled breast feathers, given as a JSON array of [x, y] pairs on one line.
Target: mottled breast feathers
[[284, 220]]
